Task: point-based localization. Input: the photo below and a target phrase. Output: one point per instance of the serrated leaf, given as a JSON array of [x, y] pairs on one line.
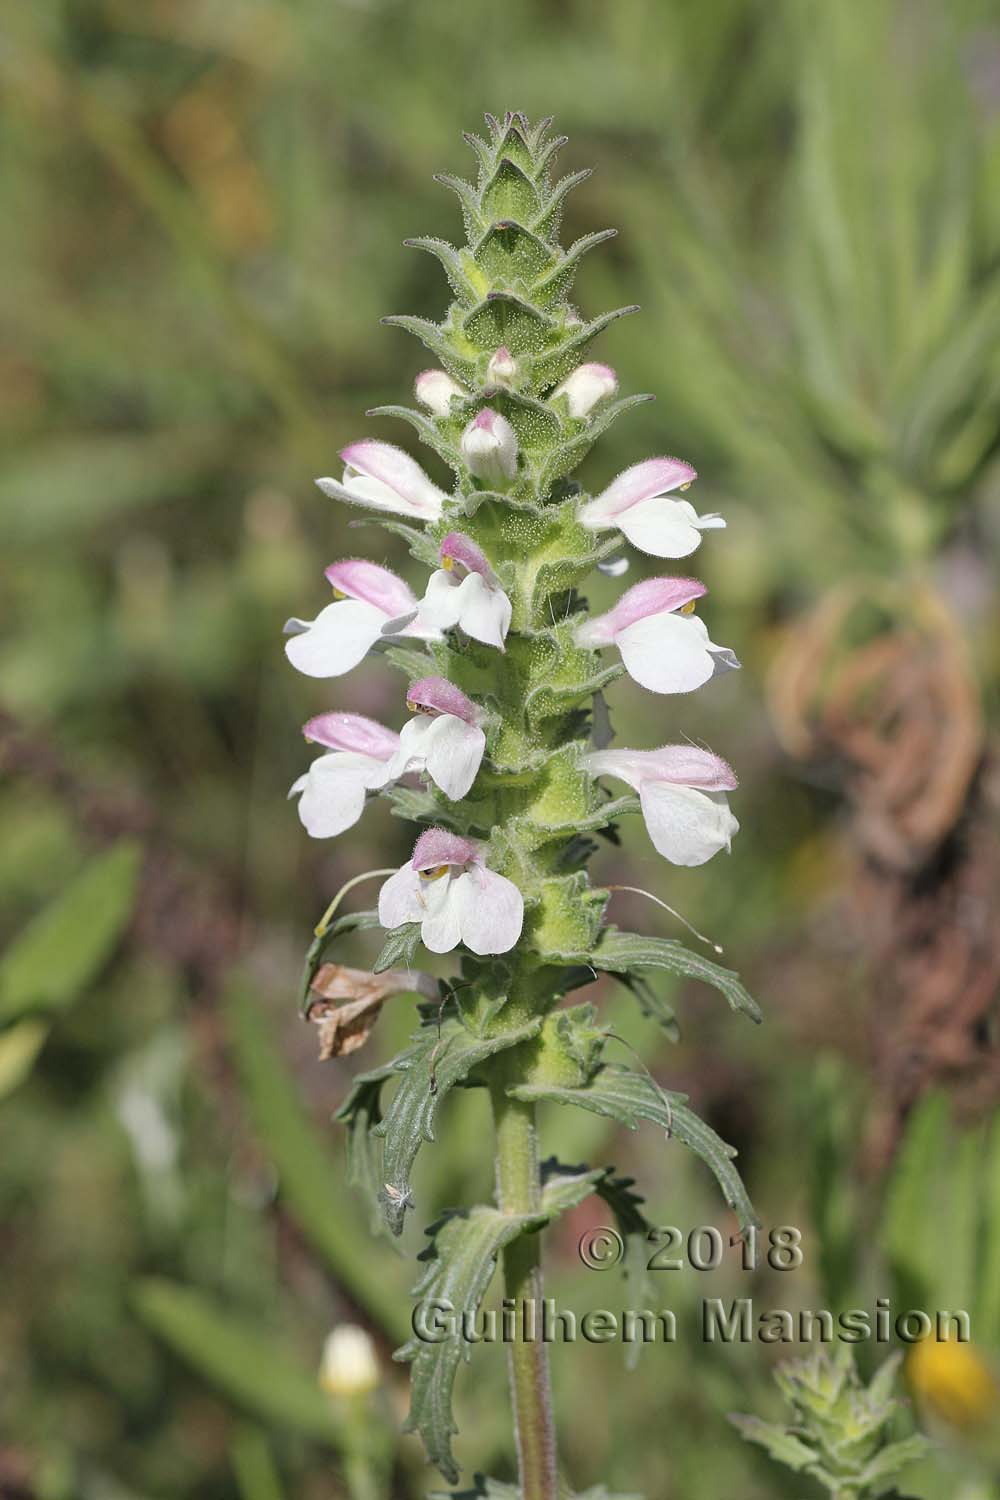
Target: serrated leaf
[[235, 1357], [627, 1096], [303, 1159], [623, 951], [781, 1444], [887, 1464], [440, 1058], [399, 949], [652, 1004], [62, 950], [462, 1256], [361, 1112], [564, 1188]]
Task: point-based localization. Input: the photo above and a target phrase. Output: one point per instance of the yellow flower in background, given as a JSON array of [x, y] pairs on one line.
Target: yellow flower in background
[[954, 1382], [349, 1366]]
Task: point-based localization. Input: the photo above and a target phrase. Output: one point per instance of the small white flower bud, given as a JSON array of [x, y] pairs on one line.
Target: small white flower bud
[[348, 1366], [434, 389], [489, 448], [587, 385], [502, 368]]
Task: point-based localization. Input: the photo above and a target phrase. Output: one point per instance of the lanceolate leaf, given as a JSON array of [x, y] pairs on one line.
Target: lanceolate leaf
[[627, 1096], [462, 1256], [439, 1059], [620, 952], [232, 1353], [61, 952], [399, 948]]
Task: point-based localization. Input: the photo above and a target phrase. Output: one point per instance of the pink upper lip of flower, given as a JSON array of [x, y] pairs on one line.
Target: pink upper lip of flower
[[343, 731], [653, 596], [683, 765], [372, 584], [462, 549], [436, 846], [654, 476], [441, 696]]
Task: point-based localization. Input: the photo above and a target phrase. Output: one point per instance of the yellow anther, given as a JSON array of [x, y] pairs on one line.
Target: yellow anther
[[435, 873], [685, 486], [688, 608], [338, 595], [447, 563]]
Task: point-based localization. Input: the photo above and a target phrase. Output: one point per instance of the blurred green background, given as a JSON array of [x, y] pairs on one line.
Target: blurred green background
[[203, 208]]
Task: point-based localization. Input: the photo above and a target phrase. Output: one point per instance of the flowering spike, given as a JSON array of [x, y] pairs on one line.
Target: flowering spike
[[505, 675]]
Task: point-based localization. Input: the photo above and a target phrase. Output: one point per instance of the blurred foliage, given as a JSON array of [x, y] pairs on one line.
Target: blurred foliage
[[204, 207]]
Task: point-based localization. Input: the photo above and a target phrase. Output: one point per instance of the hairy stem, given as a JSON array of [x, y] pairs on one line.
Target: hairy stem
[[518, 1192]]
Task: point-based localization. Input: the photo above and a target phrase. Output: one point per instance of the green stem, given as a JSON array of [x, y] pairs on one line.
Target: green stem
[[519, 1192]]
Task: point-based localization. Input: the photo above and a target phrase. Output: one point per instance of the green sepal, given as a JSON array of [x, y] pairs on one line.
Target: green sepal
[[509, 194], [464, 277], [457, 354], [627, 1096], [429, 432], [472, 217], [511, 255], [412, 662], [560, 361], [555, 285], [421, 544], [562, 460], [549, 217], [505, 318]]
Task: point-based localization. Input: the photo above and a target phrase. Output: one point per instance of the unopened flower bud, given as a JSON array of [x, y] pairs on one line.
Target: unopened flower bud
[[502, 368], [489, 448], [348, 1366], [587, 385], [434, 389]]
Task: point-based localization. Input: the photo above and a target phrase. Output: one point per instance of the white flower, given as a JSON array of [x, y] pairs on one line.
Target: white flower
[[334, 788], [587, 385], [502, 369], [682, 794], [635, 502], [444, 739], [489, 448], [369, 599], [447, 888], [664, 647], [435, 389], [465, 592], [383, 477], [349, 1366]]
